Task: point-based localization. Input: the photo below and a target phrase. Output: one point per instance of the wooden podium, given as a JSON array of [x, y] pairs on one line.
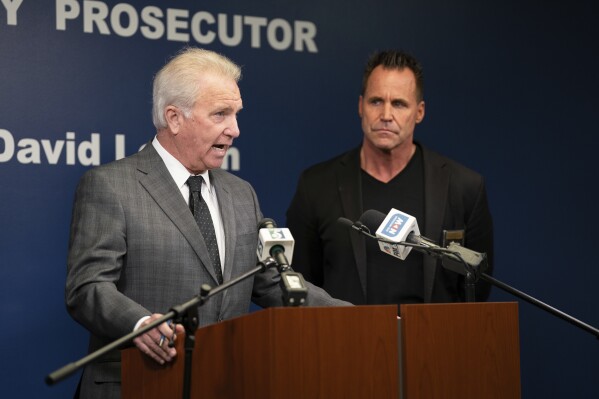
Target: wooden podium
[[443, 351], [466, 350]]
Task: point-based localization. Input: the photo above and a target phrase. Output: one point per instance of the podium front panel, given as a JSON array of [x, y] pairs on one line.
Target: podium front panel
[[326, 352], [466, 350]]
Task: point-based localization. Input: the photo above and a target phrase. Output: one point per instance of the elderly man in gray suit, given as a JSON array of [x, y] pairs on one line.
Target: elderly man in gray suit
[[136, 249]]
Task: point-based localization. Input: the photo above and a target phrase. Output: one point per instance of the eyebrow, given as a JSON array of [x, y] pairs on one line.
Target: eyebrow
[[225, 108], [394, 99]]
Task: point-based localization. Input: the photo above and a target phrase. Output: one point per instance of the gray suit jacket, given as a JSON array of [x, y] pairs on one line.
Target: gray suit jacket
[[135, 249]]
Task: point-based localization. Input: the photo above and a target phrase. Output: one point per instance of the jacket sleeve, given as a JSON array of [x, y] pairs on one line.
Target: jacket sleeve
[[97, 247], [303, 223]]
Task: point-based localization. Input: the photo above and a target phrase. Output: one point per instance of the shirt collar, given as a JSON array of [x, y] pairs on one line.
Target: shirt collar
[[179, 173]]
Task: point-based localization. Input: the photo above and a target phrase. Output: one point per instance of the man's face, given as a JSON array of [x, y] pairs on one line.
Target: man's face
[[202, 139], [390, 109]]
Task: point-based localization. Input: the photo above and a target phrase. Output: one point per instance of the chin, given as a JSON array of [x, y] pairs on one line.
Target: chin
[[214, 165], [386, 146]]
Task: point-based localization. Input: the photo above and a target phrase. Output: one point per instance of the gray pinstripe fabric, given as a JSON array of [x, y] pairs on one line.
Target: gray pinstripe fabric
[[135, 249]]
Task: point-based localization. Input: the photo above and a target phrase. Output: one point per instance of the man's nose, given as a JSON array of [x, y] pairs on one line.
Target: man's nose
[[387, 114], [233, 128]]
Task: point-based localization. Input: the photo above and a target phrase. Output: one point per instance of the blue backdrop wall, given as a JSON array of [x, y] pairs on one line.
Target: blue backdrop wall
[[511, 91]]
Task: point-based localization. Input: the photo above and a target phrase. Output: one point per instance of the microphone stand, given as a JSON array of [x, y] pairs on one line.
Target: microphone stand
[[455, 262], [292, 283], [185, 313], [474, 272], [477, 272], [542, 305]]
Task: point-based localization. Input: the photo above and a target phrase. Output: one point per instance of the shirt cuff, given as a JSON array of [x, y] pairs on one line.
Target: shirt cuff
[[140, 321]]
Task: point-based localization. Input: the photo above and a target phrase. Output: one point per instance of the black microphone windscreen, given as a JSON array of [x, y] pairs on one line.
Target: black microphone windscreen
[[372, 219], [345, 222], [267, 223]]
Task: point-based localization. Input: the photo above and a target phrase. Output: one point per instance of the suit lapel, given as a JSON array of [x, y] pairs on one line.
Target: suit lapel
[[156, 179], [436, 186], [350, 192]]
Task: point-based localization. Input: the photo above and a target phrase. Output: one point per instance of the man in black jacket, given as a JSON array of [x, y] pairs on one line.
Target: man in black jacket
[[389, 170]]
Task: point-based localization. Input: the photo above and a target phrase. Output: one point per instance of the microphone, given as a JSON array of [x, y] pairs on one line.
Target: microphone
[[395, 228], [464, 261], [353, 225], [398, 228], [347, 223], [276, 242]]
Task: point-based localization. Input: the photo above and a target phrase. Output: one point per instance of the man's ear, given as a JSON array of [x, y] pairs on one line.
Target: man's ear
[[420, 112], [173, 117], [360, 100]]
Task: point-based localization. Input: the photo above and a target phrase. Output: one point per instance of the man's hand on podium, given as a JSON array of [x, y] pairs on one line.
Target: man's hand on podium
[[158, 342]]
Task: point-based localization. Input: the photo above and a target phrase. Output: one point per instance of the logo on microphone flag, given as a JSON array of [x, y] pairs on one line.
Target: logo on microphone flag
[[395, 228], [395, 224]]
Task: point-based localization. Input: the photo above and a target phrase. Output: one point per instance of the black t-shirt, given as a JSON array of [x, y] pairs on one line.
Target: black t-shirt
[[391, 280]]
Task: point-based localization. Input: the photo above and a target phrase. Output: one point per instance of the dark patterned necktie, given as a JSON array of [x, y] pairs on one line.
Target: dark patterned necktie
[[203, 218]]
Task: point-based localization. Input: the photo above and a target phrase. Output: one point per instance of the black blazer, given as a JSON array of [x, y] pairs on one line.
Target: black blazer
[[333, 257]]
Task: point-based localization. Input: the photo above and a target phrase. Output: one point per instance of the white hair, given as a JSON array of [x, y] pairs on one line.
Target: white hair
[[177, 83]]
